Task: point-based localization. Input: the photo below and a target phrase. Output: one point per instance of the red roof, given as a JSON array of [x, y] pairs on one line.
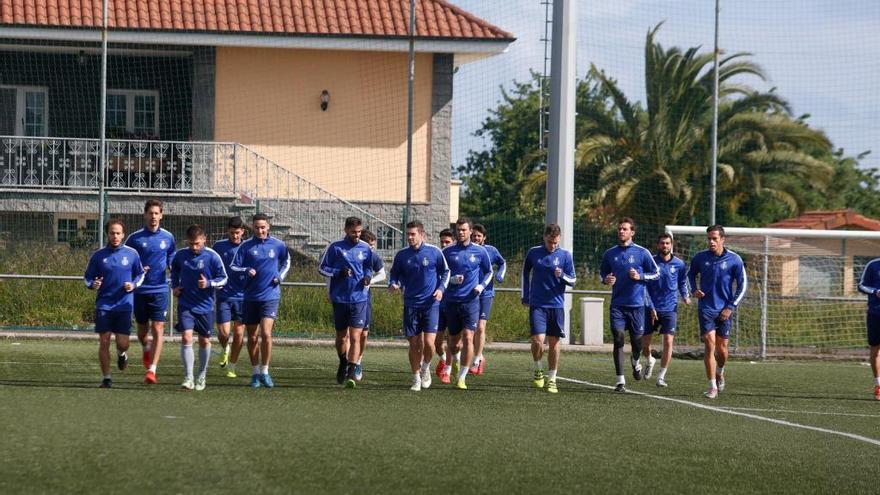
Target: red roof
[[385, 18], [829, 220]]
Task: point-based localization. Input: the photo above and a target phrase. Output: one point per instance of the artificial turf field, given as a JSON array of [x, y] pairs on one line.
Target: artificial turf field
[[308, 435]]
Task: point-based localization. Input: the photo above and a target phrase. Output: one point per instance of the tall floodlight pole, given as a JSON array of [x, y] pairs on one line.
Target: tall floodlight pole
[[102, 132], [714, 185], [560, 160], [409, 112]]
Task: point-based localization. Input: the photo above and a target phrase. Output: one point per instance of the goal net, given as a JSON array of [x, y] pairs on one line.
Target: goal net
[[802, 288]]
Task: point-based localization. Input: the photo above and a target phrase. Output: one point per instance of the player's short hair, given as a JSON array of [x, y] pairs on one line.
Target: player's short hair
[[194, 231], [259, 216], [464, 220], [112, 222], [664, 235], [446, 233], [478, 227], [415, 224], [151, 203], [368, 235], [630, 221], [352, 222], [716, 228], [552, 229], [235, 223]]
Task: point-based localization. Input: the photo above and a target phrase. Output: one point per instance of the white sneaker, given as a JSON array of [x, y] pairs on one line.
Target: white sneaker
[[662, 383], [416, 384], [188, 384], [720, 380], [200, 383], [426, 378], [711, 393], [649, 369]]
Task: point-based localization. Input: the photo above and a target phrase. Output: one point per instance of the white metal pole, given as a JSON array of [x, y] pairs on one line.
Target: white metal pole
[[102, 141], [764, 301], [409, 111], [560, 163], [714, 180]]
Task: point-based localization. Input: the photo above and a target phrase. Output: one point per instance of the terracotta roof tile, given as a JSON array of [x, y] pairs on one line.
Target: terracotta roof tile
[[829, 220], [434, 18]]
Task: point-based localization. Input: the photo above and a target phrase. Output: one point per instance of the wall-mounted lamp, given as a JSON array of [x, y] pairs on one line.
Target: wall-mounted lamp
[[325, 100]]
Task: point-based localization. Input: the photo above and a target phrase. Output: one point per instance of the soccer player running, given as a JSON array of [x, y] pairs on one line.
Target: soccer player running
[[443, 367], [230, 298], [471, 272], [546, 271], [662, 309], [486, 298], [719, 270], [114, 272], [265, 261], [155, 246], [870, 284], [626, 268], [420, 270], [378, 276], [196, 272], [348, 263]]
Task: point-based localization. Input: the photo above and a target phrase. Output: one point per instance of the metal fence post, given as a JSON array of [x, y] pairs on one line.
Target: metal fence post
[[764, 297]]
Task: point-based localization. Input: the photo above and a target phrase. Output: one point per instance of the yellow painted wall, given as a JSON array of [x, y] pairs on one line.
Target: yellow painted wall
[[269, 100]]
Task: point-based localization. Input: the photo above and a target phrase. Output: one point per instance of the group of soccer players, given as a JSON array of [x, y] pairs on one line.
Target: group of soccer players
[[447, 295]]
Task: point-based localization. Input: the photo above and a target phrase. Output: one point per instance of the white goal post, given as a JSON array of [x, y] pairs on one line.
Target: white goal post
[[802, 293]]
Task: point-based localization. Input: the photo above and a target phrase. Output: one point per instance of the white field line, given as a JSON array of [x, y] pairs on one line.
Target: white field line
[[706, 407], [796, 411]]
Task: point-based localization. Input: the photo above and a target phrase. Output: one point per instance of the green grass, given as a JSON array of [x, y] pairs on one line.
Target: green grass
[[308, 435]]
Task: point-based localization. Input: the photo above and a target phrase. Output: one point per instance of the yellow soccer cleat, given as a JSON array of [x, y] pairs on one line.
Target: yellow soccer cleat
[[551, 386], [538, 380], [460, 384]]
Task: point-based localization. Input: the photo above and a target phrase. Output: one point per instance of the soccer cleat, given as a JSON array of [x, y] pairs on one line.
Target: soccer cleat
[[637, 371], [416, 384], [350, 382], [481, 366], [147, 360], [255, 380], [711, 393], [230, 373], [551, 386], [538, 379], [441, 369], [649, 368], [620, 387], [460, 384], [721, 383], [266, 380], [150, 378], [877, 392], [224, 357], [187, 384], [358, 372], [426, 378], [200, 383], [108, 383], [444, 377], [122, 361], [340, 372], [455, 369], [662, 383]]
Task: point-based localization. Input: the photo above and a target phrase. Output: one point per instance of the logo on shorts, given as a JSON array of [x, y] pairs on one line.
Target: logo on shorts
[[425, 261], [163, 245], [102, 313], [125, 261]]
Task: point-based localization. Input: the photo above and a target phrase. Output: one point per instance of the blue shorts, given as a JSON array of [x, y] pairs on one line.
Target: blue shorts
[[462, 315], [665, 323], [418, 320], [710, 321], [486, 307], [550, 321], [873, 330], [200, 323], [628, 318], [113, 321], [229, 310], [352, 315], [255, 311], [150, 307]]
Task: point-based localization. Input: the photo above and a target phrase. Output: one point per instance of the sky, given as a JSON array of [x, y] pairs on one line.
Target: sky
[[823, 56]]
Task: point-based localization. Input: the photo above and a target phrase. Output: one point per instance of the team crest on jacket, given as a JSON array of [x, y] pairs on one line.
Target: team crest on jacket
[[163, 244], [724, 265], [201, 264], [272, 254], [125, 261], [361, 256], [473, 259], [555, 261], [425, 261], [632, 259], [671, 269]]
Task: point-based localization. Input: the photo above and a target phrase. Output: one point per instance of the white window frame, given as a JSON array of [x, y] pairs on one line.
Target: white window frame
[[20, 106], [129, 106], [81, 222]]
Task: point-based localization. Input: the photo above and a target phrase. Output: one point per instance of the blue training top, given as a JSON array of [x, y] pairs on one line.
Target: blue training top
[[500, 265], [156, 250], [870, 283], [357, 258], [663, 292], [419, 272], [717, 277], [471, 263], [541, 288], [116, 266], [186, 270], [270, 259], [234, 287], [618, 261]]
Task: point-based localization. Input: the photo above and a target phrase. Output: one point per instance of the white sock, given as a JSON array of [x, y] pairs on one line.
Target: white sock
[[477, 360], [551, 374], [719, 371], [122, 353], [360, 359], [713, 383], [458, 357], [255, 369], [539, 365], [186, 355], [651, 360], [877, 381], [107, 377], [153, 368], [463, 373], [204, 357], [621, 379], [662, 374], [264, 369], [416, 377]]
